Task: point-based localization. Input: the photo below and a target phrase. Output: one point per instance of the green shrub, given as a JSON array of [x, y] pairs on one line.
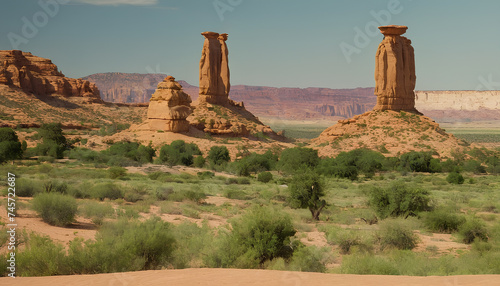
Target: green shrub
[[124, 246], [474, 228], [364, 160], [419, 162], [254, 163], [10, 147], [41, 257], [330, 167], [199, 161], [27, 187], [205, 175], [265, 177], [96, 211], [179, 153], [455, 178], [55, 209], [218, 155], [116, 172], [261, 234], [54, 143], [399, 199], [294, 159], [162, 193], [474, 166], [397, 234], [54, 186], [309, 259], [443, 220], [106, 191]]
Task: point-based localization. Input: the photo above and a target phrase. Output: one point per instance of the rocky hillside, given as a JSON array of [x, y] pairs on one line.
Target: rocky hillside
[[389, 132], [41, 77]]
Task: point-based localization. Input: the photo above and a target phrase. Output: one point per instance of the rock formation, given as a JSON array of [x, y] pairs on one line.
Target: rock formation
[[40, 76], [169, 107], [214, 69], [395, 71]]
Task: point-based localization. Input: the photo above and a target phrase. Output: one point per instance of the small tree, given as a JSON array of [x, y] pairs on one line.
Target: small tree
[[179, 152], [218, 155], [10, 147], [306, 190]]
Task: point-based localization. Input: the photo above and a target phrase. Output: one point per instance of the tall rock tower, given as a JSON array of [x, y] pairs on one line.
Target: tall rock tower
[[214, 69], [395, 71]]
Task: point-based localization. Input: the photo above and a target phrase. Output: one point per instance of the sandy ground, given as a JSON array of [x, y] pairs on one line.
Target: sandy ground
[[221, 277]]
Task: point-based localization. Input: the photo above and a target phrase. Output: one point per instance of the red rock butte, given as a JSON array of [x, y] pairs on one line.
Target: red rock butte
[[40, 76], [395, 71]]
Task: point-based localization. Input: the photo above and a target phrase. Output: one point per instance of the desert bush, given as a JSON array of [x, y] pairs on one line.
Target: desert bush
[[27, 187], [87, 155], [124, 246], [106, 191], [41, 257], [54, 143], [238, 181], [292, 160], [197, 196], [96, 211], [116, 172], [162, 193], [473, 229], [218, 155], [265, 177], [443, 220], [199, 161], [254, 163], [399, 199], [261, 234], [55, 209], [10, 147], [330, 167], [474, 166], [309, 259], [55, 186], [235, 194], [306, 191], [364, 160], [179, 153], [455, 178], [192, 242], [397, 234], [205, 175], [419, 162]]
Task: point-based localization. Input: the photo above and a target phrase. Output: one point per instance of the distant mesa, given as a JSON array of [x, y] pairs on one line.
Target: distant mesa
[[41, 77], [395, 71]]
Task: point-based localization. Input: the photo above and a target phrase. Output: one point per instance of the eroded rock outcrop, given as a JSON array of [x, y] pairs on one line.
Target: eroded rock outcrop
[[395, 71], [169, 107], [214, 69], [40, 76]]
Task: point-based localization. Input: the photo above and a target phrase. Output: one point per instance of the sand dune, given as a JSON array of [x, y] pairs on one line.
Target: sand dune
[[232, 277]]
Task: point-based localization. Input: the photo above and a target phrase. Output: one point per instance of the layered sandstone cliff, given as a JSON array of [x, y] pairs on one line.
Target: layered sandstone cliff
[[169, 107], [466, 100], [41, 77]]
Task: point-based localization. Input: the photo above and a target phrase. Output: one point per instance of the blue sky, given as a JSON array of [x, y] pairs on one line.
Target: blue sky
[[316, 43]]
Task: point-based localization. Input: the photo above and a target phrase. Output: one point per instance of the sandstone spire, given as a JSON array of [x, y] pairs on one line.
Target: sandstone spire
[[214, 69], [169, 107], [395, 71]]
